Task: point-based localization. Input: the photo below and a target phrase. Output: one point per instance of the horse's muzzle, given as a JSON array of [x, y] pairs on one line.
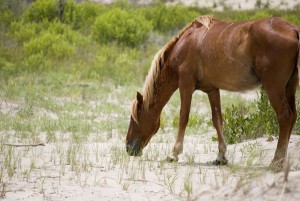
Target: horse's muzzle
[[134, 150]]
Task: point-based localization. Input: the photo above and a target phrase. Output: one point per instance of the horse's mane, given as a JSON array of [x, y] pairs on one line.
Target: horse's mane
[[160, 58]]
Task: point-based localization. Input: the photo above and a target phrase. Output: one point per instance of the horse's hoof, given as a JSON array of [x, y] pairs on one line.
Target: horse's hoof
[[217, 162], [172, 159]]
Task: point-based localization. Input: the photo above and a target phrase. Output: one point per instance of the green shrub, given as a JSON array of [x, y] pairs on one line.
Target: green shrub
[[194, 121], [126, 27], [41, 10], [24, 32], [82, 15], [238, 124], [169, 18], [242, 123], [49, 44], [265, 117], [46, 42]]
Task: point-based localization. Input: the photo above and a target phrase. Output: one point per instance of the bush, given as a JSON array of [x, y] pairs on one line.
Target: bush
[[49, 44], [240, 123], [265, 117], [23, 32], [41, 10], [83, 15], [166, 19], [194, 121], [126, 27], [50, 10], [46, 42]]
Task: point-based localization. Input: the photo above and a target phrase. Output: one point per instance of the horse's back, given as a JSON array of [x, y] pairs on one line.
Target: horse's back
[[233, 55]]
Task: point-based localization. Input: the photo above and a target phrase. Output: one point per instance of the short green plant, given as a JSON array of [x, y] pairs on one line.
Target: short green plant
[[237, 124], [265, 116], [242, 122], [188, 184], [194, 121], [169, 181]]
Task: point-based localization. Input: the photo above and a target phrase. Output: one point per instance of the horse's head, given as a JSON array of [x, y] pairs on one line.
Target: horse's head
[[143, 125]]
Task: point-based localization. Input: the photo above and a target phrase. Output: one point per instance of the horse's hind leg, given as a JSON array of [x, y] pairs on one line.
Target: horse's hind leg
[[281, 99], [214, 99], [285, 118], [291, 96]]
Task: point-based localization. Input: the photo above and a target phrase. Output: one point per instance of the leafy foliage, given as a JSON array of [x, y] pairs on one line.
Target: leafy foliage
[[41, 10], [126, 27], [46, 41], [82, 15], [166, 19], [241, 122]]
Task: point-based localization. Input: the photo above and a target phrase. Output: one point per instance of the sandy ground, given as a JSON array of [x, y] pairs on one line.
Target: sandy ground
[[98, 168], [92, 170], [233, 182]]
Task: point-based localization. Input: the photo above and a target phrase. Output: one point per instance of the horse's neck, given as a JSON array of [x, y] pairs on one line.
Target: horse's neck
[[166, 85]]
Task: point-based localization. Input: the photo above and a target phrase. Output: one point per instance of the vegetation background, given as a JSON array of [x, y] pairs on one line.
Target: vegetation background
[[62, 39]]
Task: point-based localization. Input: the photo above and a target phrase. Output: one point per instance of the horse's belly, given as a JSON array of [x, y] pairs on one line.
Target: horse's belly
[[230, 77], [239, 85], [236, 80]]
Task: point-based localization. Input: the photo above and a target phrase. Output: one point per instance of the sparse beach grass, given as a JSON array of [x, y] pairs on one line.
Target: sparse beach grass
[[51, 140]]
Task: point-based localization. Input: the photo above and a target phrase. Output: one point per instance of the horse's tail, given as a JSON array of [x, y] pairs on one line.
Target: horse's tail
[[298, 61]]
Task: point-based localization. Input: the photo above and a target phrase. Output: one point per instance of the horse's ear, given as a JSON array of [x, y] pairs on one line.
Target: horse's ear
[[139, 98]]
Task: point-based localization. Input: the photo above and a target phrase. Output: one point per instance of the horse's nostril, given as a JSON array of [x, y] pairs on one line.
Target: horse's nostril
[[128, 148], [134, 150]]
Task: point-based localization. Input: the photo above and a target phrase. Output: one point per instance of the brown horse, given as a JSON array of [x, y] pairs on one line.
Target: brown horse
[[210, 55]]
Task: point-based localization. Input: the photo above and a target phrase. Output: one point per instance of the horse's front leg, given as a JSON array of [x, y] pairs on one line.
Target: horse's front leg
[[215, 104], [186, 92]]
